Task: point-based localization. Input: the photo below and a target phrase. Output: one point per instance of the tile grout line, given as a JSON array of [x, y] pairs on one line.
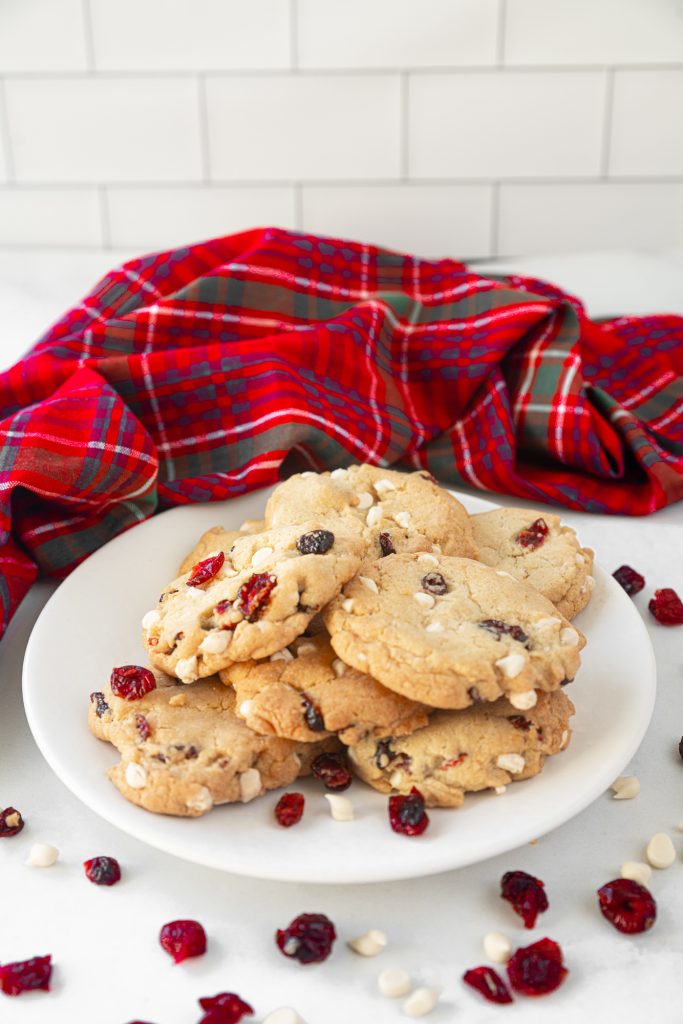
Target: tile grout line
[[404, 126], [204, 145], [500, 36], [294, 36], [607, 126], [105, 225], [88, 35], [6, 135]]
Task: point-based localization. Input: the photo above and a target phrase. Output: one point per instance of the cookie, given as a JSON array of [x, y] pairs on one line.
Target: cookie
[[398, 511], [252, 601], [218, 539], [553, 562], [482, 747], [305, 692], [447, 631], [184, 750]]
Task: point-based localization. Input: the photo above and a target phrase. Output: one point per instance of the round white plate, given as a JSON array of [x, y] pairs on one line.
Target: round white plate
[[92, 623]]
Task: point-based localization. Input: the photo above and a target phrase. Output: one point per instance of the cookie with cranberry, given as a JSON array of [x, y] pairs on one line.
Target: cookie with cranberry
[[218, 539], [459, 752], [537, 548], [398, 511], [447, 631], [252, 601], [305, 692], [184, 750]]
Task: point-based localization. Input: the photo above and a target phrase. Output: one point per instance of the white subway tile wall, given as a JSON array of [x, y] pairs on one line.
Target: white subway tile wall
[[469, 128]]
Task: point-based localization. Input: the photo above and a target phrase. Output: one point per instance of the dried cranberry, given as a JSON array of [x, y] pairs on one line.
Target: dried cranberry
[[308, 938], [407, 814], [499, 629], [317, 542], [520, 722], [630, 907], [526, 894], [534, 535], [313, 715], [143, 727], [132, 682], [225, 1008], [102, 870], [667, 607], [452, 762], [204, 571], [26, 976], [11, 823], [98, 699], [434, 583], [183, 939], [289, 809], [489, 983], [537, 969], [629, 579], [254, 595], [386, 545], [332, 771]]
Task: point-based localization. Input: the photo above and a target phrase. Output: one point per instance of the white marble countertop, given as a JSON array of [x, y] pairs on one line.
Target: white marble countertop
[[109, 968]]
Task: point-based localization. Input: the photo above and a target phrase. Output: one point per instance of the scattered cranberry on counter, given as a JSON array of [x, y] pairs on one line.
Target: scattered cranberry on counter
[[289, 809], [225, 1008], [630, 907], [11, 823], [308, 939], [489, 983], [332, 771], [132, 682], [407, 814], [183, 939], [102, 870], [526, 894], [537, 969], [667, 607], [534, 535], [204, 571], [26, 976], [629, 579]]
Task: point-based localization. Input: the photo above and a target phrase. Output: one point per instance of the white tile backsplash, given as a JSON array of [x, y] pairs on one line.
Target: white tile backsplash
[[396, 34], [465, 126], [560, 32], [157, 218], [512, 124], [274, 128]]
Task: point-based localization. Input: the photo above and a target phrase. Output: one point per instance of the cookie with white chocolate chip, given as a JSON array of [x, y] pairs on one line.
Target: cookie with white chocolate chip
[[398, 511], [184, 750], [305, 692], [459, 752], [537, 548], [217, 538], [252, 601], [448, 631]]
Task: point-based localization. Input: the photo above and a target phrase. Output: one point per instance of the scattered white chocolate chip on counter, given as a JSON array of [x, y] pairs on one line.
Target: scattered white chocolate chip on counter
[[660, 851], [136, 776], [394, 982], [497, 947], [338, 667], [426, 600], [365, 500], [216, 642], [341, 807], [511, 665], [250, 785], [285, 1015], [370, 944], [369, 584], [626, 787], [261, 556], [512, 763], [525, 700], [42, 855], [403, 519], [636, 871], [150, 619], [421, 1002], [347, 605]]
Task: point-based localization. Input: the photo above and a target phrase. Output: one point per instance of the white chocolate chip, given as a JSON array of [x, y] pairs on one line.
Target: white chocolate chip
[[511, 665], [339, 474], [136, 776], [427, 559], [434, 627], [501, 572], [512, 763], [497, 947], [523, 701], [186, 669], [201, 801], [341, 807], [499, 790], [178, 700], [396, 779], [403, 519], [285, 1015], [369, 584], [250, 785], [374, 516], [383, 486], [261, 556], [338, 667], [42, 855], [365, 500], [436, 548], [370, 944], [569, 637], [304, 649], [394, 982], [216, 642], [626, 787], [636, 871], [347, 605], [565, 739], [307, 474], [548, 622], [245, 708], [426, 600], [421, 1002], [283, 655], [660, 851], [151, 619], [579, 558]]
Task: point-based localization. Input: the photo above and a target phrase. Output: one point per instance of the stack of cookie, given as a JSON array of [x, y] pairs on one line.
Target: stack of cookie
[[367, 610]]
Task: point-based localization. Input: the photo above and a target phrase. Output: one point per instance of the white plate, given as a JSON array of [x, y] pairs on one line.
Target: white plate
[[92, 622]]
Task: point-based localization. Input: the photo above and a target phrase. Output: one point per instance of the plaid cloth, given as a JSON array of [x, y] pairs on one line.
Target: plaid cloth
[[194, 374]]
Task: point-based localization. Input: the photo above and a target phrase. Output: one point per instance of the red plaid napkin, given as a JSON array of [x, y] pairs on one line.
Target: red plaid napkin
[[191, 375]]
